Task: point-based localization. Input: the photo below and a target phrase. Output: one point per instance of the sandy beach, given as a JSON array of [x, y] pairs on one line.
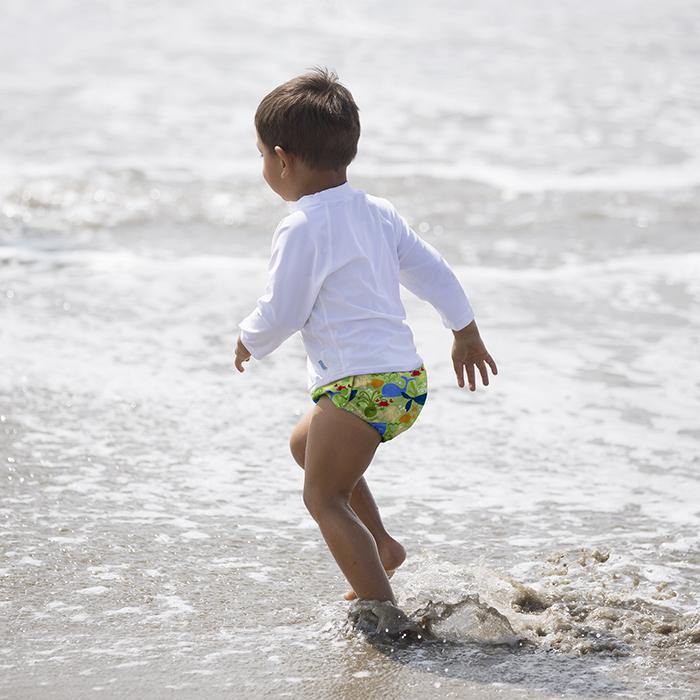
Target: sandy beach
[[153, 538]]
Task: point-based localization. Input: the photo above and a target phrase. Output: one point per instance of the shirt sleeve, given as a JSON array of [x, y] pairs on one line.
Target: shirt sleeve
[[427, 274], [294, 281]]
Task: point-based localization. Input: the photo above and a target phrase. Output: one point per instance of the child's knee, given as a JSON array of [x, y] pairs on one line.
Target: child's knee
[[297, 446], [319, 500], [310, 501], [297, 440]]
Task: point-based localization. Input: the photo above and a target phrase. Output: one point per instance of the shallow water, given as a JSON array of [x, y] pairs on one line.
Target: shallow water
[[154, 539]]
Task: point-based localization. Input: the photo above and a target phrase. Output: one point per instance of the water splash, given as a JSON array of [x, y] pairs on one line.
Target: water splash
[[584, 601], [468, 620]]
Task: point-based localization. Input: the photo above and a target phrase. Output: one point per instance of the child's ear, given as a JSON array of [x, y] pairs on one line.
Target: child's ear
[[285, 160]]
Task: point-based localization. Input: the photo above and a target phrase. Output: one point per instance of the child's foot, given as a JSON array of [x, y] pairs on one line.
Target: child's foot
[[392, 555]]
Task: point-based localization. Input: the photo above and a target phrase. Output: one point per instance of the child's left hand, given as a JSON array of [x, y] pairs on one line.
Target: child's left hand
[[242, 355]]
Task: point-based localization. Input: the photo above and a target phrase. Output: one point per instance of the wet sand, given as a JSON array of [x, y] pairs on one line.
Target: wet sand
[[153, 538]]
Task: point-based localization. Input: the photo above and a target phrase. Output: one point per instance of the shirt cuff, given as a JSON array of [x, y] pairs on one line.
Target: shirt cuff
[[245, 339], [461, 322]]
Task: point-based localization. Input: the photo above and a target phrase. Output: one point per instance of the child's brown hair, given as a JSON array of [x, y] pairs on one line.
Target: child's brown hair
[[313, 117]]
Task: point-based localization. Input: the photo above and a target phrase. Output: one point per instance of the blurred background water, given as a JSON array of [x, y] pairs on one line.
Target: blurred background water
[[153, 537]]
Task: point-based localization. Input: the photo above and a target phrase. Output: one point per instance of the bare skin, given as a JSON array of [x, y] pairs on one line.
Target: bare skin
[[391, 552], [470, 353], [339, 448]]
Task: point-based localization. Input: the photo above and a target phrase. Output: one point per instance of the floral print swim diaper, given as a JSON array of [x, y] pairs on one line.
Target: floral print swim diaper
[[389, 401]]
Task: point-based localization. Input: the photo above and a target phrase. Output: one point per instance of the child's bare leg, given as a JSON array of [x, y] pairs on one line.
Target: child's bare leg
[[391, 551], [339, 448]]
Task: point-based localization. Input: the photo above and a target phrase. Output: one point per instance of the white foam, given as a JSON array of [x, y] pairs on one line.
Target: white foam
[[659, 178], [93, 590]]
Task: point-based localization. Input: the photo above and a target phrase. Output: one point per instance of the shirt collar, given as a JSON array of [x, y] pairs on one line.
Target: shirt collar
[[331, 194]]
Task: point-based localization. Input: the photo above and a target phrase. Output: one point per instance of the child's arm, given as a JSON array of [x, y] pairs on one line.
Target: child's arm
[[427, 274], [294, 280]]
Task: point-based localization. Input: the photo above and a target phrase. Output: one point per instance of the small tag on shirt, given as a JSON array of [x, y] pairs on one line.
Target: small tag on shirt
[[320, 362]]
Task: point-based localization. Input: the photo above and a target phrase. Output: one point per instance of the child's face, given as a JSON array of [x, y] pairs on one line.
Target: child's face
[[275, 169]]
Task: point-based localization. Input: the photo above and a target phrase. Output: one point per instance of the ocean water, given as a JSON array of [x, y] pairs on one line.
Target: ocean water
[[153, 539]]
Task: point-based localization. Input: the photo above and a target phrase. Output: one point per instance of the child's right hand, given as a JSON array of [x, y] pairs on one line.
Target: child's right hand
[[468, 351], [242, 355]]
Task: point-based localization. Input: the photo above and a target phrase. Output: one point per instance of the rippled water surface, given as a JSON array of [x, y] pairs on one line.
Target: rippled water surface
[[153, 539]]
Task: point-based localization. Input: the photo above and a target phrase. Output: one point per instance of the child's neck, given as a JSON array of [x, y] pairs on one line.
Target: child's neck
[[313, 181]]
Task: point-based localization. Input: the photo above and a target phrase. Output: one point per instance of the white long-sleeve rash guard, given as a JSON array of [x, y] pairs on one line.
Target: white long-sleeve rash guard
[[337, 261]]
